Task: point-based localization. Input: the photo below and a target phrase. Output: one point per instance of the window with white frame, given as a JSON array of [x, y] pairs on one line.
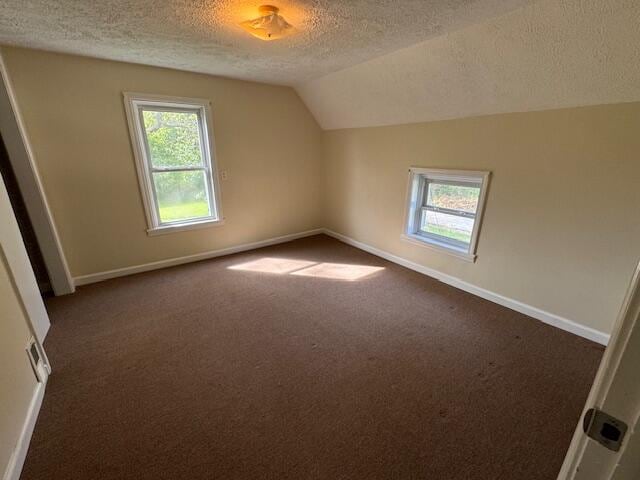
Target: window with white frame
[[173, 146], [445, 209]]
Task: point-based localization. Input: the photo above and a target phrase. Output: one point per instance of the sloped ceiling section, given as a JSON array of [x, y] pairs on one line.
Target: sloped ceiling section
[[550, 54]]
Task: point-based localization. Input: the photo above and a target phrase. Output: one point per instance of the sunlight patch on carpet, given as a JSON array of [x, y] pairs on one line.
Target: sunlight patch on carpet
[[304, 268], [338, 271]]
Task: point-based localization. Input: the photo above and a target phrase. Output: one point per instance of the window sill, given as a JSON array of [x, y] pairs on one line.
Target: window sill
[[181, 227], [439, 247]]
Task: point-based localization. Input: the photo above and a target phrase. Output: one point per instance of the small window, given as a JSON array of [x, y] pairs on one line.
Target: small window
[[173, 147], [445, 209]]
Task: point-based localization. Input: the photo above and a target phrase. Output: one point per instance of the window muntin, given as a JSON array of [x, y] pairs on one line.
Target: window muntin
[[445, 209], [173, 150]]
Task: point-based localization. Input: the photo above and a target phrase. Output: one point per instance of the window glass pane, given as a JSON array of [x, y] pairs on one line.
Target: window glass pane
[[181, 195], [173, 138], [445, 225], [454, 197]]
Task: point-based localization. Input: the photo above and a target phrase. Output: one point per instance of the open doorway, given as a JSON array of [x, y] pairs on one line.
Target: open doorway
[[24, 223], [27, 197]]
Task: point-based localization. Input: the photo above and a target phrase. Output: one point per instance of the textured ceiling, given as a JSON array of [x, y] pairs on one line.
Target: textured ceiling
[[550, 54], [203, 35], [359, 63]]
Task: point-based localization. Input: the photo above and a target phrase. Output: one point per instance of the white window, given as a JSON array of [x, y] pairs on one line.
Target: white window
[[444, 209], [173, 147]]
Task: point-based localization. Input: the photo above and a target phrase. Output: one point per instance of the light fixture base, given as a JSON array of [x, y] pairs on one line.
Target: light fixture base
[[268, 9]]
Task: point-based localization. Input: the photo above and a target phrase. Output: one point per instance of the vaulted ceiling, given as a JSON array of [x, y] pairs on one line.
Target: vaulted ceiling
[[550, 54], [363, 63]]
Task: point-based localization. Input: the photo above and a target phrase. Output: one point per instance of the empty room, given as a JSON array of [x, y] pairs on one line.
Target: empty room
[[320, 240]]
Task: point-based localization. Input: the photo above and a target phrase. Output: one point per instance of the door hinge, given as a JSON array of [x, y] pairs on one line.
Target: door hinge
[[608, 431]]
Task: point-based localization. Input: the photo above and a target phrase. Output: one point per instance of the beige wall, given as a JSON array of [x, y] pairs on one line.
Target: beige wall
[[561, 230], [73, 110]]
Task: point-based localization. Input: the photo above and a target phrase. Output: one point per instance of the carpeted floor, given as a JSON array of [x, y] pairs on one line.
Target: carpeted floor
[[208, 372]]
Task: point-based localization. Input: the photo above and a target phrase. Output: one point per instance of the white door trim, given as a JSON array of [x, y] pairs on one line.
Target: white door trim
[[20, 268], [26, 171], [625, 324]]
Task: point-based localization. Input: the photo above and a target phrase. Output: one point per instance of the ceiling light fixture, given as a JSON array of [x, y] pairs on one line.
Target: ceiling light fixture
[[269, 26]]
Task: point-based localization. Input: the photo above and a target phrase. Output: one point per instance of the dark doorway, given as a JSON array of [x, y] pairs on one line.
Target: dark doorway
[[24, 223]]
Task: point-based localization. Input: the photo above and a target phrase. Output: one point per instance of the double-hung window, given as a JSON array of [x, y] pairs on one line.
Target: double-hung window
[[445, 208], [173, 147]]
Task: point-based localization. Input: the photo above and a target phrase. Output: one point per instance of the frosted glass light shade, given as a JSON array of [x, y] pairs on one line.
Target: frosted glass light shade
[[270, 26]]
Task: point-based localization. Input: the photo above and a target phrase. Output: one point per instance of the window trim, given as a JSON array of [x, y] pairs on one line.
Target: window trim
[[414, 204], [134, 103]]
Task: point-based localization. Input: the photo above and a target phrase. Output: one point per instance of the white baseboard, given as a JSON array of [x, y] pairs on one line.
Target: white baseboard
[[542, 315], [121, 272], [16, 461]]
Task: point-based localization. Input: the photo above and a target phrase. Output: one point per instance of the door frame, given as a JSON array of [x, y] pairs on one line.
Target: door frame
[[626, 322], [22, 161], [21, 270]]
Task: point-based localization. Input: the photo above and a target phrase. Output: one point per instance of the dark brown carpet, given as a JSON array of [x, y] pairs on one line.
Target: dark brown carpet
[[202, 372]]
